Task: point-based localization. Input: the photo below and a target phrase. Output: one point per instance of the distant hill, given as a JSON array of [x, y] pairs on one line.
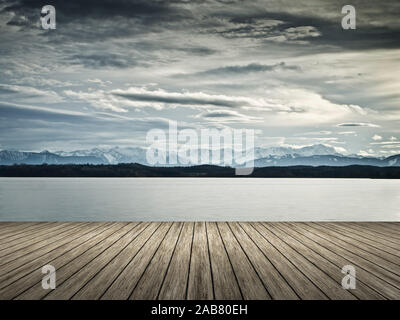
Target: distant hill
[[137, 170], [316, 155]]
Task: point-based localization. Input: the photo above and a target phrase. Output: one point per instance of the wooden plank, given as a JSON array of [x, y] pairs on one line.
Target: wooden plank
[[366, 244], [42, 246], [22, 235], [391, 226], [371, 235], [325, 249], [326, 284], [200, 285], [7, 224], [10, 225], [250, 284], [224, 279], [390, 229], [275, 283], [303, 287], [19, 264], [389, 269], [124, 284], [18, 229], [97, 286], [176, 279], [27, 275], [67, 270], [70, 286], [7, 227], [31, 238], [381, 230], [202, 260], [373, 268], [151, 281], [333, 270]]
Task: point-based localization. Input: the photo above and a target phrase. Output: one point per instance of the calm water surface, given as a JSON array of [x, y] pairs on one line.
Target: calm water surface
[[190, 199]]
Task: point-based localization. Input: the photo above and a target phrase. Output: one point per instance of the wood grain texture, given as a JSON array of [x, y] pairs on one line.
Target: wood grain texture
[[199, 260], [176, 279], [200, 286]]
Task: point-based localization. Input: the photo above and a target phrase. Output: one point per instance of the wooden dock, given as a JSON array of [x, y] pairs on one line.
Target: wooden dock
[[224, 260]]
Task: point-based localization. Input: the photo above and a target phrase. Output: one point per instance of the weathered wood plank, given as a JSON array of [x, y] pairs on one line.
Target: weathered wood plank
[[22, 236], [150, 283], [380, 229], [176, 279], [372, 246], [250, 283], [275, 283], [70, 286], [97, 286], [41, 247], [224, 279], [311, 241], [395, 228], [67, 270], [390, 270], [20, 229], [334, 271], [388, 277], [371, 235], [303, 287], [29, 274], [200, 285], [330, 287], [29, 240], [201, 260], [124, 284]]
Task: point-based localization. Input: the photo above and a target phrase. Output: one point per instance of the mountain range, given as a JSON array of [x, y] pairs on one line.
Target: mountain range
[[315, 155]]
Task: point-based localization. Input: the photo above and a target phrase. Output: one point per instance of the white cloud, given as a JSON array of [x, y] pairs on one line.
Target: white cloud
[[386, 142], [98, 99], [376, 137], [24, 93], [364, 153]]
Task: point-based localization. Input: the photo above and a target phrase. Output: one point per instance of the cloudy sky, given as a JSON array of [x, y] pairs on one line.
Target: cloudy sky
[[113, 70]]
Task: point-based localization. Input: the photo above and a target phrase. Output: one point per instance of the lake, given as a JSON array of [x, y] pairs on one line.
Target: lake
[[195, 199]]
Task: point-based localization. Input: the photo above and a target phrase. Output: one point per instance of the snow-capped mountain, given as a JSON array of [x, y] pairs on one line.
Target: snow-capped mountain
[[307, 151], [110, 156], [17, 157], [315, 155]]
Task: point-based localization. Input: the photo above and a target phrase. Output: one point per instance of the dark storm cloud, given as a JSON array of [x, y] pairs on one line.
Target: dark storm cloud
[[250, 68], [218, 114], [281, 21], [358, 124], [181, 99], [102, 60], [377, 23], [69, 11], [96, 20]]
